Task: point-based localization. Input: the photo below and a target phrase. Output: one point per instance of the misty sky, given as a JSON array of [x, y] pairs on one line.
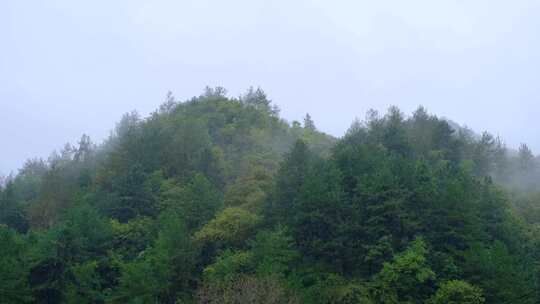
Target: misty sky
[[73, 67]]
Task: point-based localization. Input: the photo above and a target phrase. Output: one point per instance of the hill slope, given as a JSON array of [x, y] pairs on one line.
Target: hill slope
[[218, 200]]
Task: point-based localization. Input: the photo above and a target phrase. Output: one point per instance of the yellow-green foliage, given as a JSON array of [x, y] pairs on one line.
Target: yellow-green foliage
[[232, 226]]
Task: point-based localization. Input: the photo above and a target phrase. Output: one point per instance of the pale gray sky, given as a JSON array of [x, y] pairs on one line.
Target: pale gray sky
[[72, 67]]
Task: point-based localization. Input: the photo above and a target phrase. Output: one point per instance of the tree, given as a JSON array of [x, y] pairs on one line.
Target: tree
[[133, 237], [197, 200], [14, 286], [273, 252], [164, 272], [219, 200], [227, 267], [13, 212], [63, 259], [86, 285], [131, 196], [289, 180], [393, 133], [318, 218], [231, 227], [309, 124], [526, 157], [484, 154], [215, 93], [407, 278], [500, 274], [250, 190], [256, 98], [457, 292], [128, 123], [85, 149], [247, 289]]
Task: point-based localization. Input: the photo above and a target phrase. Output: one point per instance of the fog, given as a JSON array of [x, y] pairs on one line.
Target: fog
[[68, 67]]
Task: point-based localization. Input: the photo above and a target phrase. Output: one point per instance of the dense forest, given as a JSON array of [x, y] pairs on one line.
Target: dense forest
[[219, 200]]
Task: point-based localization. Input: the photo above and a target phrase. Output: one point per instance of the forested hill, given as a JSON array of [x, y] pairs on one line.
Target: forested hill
[[219, 200]]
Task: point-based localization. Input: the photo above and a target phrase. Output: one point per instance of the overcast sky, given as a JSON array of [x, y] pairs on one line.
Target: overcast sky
[[73, 67]]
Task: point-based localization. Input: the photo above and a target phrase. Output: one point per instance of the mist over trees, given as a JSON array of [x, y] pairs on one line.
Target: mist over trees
[[219, 200]]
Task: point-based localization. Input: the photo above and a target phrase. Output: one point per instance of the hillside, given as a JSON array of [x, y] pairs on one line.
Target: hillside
[[219, 200]]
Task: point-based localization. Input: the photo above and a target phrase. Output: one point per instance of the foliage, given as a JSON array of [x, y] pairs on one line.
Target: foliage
[[457, 292], [13, 270], [407, 278], [219, 200], [232, 227], [163, 272], [247, 289]]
